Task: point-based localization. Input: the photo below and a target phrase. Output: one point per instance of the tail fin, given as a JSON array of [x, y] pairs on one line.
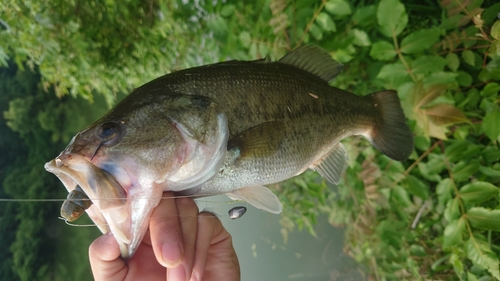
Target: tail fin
[[390, 135]]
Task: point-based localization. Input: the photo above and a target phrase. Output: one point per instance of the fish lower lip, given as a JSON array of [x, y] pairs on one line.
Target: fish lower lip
[[125, 215]]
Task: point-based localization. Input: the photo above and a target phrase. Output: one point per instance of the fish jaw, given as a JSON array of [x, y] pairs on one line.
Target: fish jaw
[[121, 205]]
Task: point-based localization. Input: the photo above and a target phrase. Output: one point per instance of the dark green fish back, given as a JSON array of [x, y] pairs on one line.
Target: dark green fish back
[[258, 92]]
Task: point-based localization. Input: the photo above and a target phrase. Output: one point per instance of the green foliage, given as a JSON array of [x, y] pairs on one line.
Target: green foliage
[[35, 126], [427, 217], [434, 216], [83, 47]]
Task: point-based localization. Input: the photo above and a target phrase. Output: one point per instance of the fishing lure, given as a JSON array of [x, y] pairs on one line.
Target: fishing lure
[[75, 204]]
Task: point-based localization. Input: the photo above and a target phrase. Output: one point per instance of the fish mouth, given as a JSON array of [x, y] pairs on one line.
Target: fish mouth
[[114, 208]]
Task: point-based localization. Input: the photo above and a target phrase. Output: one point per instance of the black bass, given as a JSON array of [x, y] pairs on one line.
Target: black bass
[[226, 128]]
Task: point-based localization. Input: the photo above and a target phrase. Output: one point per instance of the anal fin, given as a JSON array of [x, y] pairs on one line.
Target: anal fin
[[258, 196], [333, 165]]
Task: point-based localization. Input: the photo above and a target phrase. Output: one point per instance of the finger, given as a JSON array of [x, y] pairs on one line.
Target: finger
[[166, 233], [215, 255], [188, 217], [105, 260]]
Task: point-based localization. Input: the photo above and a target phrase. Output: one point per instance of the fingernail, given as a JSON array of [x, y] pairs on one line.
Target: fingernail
[[177, 273], [171, 253]]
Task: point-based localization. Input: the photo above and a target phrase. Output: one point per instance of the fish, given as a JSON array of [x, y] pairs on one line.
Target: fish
[[225, 128]]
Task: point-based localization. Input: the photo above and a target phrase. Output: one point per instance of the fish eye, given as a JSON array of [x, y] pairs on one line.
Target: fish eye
[[109, 132]]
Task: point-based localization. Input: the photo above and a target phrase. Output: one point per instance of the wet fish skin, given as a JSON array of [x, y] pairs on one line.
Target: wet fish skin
[[230, 128]]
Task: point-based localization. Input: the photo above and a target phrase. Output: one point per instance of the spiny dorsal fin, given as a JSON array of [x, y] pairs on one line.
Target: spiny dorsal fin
[[313, 60], [333, 165], [259, 196]]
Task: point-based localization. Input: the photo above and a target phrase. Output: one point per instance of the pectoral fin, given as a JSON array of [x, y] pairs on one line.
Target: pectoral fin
[[333, 165], [258, 196], [260, 141]]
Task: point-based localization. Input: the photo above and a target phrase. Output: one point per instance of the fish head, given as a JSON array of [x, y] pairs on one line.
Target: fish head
[[141, 148]]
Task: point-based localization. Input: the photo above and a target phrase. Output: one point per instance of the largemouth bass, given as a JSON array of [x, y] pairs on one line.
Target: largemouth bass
[[226, 128]]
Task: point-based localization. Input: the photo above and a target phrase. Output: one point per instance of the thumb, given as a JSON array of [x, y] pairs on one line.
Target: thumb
[[105, 260]]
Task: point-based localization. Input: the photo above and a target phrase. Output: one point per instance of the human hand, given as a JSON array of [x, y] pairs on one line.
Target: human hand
[[181, 244]]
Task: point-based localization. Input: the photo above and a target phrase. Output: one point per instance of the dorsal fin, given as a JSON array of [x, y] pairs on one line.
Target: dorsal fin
[[314, 60]]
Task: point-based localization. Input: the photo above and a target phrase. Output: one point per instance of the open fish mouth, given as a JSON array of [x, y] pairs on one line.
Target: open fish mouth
[[112, 206]]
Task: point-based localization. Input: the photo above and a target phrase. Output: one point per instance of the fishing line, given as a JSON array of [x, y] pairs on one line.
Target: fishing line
[[199, 201], [93, 199], [94, 225]]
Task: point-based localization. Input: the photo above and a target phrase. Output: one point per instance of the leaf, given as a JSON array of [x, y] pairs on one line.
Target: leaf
[[491, 89], [400, 196], [218, 25], [431, 169], [458, 265], [428, 64], [454, 151], [490, 172], [453, 232], [325, 22], [431, 94], [245, 39], [491, 125], [495, 48], [491, 13], [480, 253], [453, 61], [444, 190], [445, 114], [478, 192], [483, 218], [468, 57], [365, 16], [3, 57], [491, 155], [418, 250], [382, 50], [464, 169], [390, 71], [452, 210], [471, 277], [417, 187], [464, 79], [388, 232], [316, 32], [360, 37], [227, 10], [419, 41], [391, 17], [440, 77], [436, 131], [338, 7], [495, 30]]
